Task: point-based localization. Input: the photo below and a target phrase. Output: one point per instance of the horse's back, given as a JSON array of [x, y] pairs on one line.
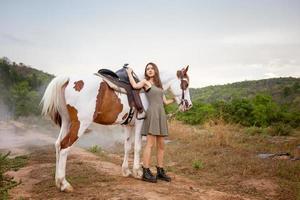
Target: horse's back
[[89, 95], [81, 93]]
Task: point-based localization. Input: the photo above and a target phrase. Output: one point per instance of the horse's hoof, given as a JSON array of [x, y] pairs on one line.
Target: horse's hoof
[[59, 182], [137, 173], [126, 172], [66, 186], [67, 189]]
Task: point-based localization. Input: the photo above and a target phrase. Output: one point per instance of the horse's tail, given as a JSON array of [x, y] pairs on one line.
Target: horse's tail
[[53, 100]]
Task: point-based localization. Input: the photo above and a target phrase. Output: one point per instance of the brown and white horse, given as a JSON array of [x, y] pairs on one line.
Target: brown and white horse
[[74, 102]]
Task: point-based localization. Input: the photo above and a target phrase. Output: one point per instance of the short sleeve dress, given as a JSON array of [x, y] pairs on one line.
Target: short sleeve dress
[[156, 119]]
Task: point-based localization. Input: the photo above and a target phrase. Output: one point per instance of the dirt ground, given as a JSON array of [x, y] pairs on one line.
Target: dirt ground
[[98, 175], [93, 178]]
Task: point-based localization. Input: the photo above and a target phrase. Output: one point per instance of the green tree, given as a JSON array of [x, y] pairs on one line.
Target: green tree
[[24, 101], [265, 110], [198, 114]]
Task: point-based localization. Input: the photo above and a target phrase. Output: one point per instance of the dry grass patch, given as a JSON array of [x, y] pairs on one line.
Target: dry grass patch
[[228, 157]]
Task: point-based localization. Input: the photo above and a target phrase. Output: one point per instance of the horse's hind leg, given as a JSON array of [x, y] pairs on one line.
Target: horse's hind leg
[[127, 148], [62, 133], [76, 130]]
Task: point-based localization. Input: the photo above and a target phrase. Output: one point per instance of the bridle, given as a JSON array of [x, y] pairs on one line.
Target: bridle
[[184, 83]]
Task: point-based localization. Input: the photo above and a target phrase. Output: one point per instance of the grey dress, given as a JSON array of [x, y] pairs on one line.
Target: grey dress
[[156, 120]]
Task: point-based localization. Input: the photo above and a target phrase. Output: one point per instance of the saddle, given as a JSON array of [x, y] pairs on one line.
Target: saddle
[[119, 81]]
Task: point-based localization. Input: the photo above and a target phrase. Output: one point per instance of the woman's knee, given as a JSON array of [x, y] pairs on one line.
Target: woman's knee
[[160, 144], [149, 145], [150, 141]]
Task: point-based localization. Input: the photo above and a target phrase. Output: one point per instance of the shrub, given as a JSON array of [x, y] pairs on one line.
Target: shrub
[[258, 111], [280, 129], [197, 164], [254, 130], [9, 164], [95, 149], [198, 114], [24, 101], [239, 111]]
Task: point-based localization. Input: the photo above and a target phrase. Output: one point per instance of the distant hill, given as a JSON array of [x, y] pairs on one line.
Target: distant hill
[[21, 88], [282, 90]]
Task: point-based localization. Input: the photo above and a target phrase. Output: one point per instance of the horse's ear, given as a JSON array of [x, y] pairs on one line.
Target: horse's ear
[[185, 69]]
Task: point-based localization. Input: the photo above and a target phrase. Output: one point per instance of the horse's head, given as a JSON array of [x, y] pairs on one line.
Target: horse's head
[[180, 89]]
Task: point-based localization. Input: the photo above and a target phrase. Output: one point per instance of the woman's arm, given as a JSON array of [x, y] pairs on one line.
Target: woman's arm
[[135, 85], [168, 101]]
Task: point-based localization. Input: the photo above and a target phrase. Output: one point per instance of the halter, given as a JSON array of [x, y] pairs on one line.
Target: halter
[[183, 101], [184, 83]]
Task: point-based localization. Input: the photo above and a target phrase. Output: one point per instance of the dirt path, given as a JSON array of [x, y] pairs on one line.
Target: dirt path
[[93, 178]]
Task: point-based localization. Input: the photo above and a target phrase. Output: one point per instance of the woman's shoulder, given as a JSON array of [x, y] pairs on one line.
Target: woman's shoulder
[[146, 82], [147, 85]]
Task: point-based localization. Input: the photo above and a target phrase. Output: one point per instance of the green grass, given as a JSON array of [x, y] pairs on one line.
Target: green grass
[[197, 164], [95, 149]]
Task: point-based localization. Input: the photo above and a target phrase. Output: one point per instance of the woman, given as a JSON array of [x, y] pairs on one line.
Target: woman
[[155, 125]]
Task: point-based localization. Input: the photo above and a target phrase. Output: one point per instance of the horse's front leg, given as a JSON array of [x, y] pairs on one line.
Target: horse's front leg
[[127, 147], [137, 171]]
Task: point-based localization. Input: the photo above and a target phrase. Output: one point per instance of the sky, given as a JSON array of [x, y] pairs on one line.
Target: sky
[[222, 41]]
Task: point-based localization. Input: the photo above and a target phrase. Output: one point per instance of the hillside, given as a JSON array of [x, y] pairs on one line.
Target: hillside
[[282, 90], [21, 88]]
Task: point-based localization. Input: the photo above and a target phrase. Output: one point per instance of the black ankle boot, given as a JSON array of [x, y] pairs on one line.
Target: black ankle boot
[[148, 176], [162, 175]]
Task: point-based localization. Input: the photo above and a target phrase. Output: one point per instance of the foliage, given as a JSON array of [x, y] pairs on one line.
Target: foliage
[[280, 129], [197, 164], [21, 87], [7, 164], [95, 149], [258, 111], [282, 90], [254, 130], [198, 114]]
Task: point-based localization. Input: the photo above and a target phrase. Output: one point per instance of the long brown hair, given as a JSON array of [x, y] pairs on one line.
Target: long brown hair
[[156, 78]]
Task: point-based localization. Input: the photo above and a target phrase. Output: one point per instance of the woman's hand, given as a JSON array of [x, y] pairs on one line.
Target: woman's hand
[[129, 70], [134, 84], [168, 101], [174, 99]]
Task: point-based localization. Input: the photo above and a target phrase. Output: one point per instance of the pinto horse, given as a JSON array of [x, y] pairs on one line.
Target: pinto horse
[[74, 102]]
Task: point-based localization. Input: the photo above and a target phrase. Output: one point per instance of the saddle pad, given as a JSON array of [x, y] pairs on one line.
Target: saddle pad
[[114, 86], [111, 84]]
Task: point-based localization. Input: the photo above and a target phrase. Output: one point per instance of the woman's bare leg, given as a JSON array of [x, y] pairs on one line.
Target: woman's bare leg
[[160, 150], [160, 160], [147, 151]]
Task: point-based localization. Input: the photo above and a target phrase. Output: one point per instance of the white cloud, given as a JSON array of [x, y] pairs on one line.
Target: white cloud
[[270, 75]]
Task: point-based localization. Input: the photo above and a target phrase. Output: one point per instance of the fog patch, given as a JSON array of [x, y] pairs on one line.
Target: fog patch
[[27, 134], [107, 137], [5, 114], [17, 138]]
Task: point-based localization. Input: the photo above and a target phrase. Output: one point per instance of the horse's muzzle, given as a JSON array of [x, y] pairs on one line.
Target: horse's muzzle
[[185, 107]]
